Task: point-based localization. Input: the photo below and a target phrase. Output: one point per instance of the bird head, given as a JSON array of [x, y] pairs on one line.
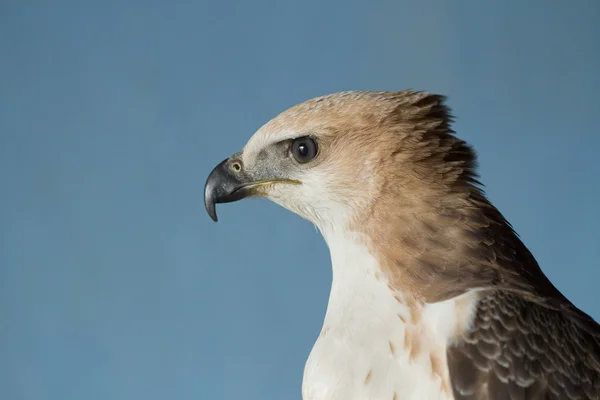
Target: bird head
[[334, 160]]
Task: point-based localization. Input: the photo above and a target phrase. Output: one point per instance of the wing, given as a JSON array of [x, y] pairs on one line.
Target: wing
[[520, 350]]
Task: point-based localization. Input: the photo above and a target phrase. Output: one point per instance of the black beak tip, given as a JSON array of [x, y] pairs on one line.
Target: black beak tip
[[209, 202], [212, 212]]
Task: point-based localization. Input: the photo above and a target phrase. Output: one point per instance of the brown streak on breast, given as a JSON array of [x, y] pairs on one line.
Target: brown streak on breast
[[436, 364], [439, 369], [368, 377], [401, 318], [414, 350], [392, 349], [415, 311]]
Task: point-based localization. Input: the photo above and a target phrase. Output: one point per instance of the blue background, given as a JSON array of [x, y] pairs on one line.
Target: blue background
[[115, 284]]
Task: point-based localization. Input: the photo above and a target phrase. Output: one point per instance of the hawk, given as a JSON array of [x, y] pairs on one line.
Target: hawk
[[433, 296]]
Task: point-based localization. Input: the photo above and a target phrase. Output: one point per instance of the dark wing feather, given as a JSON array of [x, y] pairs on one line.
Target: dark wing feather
[[521, 350]]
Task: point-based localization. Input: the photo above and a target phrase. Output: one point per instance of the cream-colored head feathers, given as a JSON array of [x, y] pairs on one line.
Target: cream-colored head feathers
[[371, 145]]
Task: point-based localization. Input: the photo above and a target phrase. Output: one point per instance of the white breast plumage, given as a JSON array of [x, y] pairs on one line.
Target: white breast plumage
[[373, 344]]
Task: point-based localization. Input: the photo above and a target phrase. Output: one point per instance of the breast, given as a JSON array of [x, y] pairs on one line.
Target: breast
[[376, 343]]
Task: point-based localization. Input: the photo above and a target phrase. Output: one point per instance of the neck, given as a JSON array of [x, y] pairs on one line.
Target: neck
[[358, 285], [442, 245]]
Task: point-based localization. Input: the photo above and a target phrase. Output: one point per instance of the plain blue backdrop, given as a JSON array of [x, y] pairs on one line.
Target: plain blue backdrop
[[115, 284]]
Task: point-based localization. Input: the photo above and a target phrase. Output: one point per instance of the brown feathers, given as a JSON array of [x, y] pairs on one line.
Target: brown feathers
[[519, 350]]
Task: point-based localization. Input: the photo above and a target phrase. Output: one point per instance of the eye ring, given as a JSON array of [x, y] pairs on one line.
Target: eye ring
[[236, 166], [304, 149]]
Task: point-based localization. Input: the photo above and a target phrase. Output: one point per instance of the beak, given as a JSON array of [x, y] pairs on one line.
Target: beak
[[226, 183], [230, 182]]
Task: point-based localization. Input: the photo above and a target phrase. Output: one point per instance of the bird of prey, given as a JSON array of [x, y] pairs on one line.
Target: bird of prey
[[433, 296]]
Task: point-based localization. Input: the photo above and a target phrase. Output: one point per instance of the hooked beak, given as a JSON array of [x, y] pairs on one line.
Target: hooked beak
[[229, 182], [223, 186]]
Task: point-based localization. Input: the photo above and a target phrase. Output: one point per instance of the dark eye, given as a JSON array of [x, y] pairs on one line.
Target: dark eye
[[304, 149]]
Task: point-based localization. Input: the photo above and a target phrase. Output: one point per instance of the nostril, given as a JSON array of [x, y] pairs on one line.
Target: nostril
[[237, 167]]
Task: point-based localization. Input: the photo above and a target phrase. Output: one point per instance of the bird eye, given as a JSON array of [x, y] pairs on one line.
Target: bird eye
[[304, 149]]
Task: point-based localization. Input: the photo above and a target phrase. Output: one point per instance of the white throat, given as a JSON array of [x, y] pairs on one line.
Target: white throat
[[374, 343]]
